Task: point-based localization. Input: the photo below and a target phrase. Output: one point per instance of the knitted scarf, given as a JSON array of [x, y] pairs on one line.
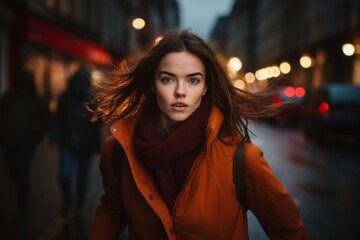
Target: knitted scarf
[[169, 160]]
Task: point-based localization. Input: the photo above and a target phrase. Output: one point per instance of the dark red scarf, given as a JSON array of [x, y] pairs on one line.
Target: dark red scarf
[[169, 160]]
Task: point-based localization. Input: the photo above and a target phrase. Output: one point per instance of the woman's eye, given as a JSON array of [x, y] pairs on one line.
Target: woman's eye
[[166, 80], [194, 81]]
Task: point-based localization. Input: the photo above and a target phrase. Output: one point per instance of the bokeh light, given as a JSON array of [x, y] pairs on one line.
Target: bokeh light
[[138, 23], [348, 49], [305, 61], [285, 67], [235, 64]]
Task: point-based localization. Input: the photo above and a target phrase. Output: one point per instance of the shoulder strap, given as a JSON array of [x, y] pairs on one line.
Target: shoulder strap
[[239, 174]]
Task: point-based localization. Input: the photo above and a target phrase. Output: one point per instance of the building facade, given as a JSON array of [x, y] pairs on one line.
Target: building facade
[[265, 33]]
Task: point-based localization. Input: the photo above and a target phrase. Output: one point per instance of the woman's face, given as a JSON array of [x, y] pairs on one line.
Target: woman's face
[[179, 85]]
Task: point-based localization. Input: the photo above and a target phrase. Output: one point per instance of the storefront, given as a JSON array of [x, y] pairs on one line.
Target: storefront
[[52, 54]]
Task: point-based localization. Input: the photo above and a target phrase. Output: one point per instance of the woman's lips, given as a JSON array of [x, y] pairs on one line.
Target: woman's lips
[[179, 106]]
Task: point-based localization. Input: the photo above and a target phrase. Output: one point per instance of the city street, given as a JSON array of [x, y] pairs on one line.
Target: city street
[[324, 181]]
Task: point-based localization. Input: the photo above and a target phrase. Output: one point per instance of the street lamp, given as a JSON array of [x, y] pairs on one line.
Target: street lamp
[[240, 84], [348, 49], [235, 64], [285, 67], [274, 71], [262, 74], [138, 23], [249, 77], [305, 61]]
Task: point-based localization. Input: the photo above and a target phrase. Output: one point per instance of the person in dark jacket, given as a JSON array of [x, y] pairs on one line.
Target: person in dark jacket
[[23, 123], [78, 138]]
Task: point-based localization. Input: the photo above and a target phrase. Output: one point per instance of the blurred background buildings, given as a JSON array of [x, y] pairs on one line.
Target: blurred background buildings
[[321, 34]]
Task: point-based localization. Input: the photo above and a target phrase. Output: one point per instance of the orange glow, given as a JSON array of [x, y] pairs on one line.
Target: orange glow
[[289, 91], [323, 108], [320, 58], [300, 92]]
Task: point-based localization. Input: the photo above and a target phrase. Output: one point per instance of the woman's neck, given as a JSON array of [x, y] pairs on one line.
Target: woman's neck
[[166, 124]]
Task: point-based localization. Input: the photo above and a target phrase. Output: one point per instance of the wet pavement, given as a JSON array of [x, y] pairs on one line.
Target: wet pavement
[[324, 181]]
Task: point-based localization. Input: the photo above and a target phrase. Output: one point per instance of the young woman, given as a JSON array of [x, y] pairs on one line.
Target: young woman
[[178, 120]]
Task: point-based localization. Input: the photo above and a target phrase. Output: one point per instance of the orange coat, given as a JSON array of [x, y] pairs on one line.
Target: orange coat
[[207, 207]]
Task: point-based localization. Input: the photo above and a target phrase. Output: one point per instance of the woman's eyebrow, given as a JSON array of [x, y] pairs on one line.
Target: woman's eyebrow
[[189, 75], [195, 74], [167, 73]]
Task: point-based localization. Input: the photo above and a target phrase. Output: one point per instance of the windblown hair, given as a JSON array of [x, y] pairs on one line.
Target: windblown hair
[[128, 86]]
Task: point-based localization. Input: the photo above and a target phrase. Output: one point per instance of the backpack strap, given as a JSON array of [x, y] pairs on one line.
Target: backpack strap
[[239, 174]]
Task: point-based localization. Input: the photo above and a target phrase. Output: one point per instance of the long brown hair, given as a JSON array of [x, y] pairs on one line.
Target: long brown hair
[[128, 86]]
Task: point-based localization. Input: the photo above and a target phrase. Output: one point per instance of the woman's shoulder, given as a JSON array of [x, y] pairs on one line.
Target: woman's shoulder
[[109, 143], [253, 155], [252, 149]]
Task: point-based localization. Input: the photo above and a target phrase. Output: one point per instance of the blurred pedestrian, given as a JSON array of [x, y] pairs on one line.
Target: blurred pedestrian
[[78, 140], [24, 119], [178, 120]]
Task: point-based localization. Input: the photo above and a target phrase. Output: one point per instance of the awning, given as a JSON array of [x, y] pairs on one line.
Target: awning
[[40, 32]]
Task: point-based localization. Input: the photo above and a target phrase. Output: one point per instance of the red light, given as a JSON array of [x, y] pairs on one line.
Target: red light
[[323, 108], [276, 100], [289, 91], [300, 92]]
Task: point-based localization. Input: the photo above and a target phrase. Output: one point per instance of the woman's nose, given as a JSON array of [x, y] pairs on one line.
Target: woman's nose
[[180, 90]]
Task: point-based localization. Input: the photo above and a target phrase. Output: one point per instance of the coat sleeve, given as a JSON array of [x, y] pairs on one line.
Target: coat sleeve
[[109, 221], [268, 199]]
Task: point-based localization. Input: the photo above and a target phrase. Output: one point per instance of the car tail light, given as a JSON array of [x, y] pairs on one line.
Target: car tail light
[[289, 91], [323, 108], [300, 92]]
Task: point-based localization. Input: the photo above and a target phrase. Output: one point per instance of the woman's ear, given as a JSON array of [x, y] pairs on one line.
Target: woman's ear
[[205, 90]]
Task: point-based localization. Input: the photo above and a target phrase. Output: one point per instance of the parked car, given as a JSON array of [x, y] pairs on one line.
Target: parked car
[[291, 114], [334, 108]]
